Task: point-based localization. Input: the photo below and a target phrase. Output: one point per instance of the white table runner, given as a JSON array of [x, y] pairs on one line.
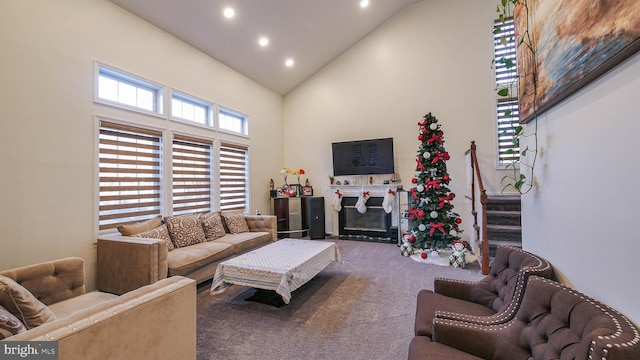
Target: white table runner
[[282, 266]]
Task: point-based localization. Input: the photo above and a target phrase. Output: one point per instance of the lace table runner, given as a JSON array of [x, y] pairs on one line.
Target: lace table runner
[[282, 266]]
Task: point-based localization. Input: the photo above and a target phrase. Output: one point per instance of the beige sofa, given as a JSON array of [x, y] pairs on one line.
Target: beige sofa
[[129, 262], [141, 324]]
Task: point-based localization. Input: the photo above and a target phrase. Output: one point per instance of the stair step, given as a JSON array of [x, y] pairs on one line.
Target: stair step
[[504, 233], [504, 203], [503, 217]]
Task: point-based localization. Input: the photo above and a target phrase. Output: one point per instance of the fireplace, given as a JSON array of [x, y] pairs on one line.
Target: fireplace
[[374, 224]]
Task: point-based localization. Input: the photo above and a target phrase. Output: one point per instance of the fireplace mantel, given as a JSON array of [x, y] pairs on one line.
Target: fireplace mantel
[[355, 190]]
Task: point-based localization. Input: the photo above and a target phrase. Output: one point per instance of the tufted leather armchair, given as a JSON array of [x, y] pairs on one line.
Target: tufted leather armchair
[[553, 322], [492, 300]]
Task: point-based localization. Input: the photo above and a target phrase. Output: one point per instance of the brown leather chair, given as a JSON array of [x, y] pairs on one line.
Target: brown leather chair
[[552, 322], [492, 300]]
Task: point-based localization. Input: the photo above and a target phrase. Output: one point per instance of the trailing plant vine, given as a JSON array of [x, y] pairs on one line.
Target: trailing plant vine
[[526, 85]]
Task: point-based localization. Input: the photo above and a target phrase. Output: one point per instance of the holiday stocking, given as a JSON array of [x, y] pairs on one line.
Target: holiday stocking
[[361, 205], [387, 202], [336, 203]]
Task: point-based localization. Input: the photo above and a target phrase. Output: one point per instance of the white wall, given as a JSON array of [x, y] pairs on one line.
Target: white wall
[[47, 125], [434, 56], [582, 214]]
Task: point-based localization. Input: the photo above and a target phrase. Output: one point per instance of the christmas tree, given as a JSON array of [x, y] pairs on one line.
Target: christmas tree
[[435, 225]]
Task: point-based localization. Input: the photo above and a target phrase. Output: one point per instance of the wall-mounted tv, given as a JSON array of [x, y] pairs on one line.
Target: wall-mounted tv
[[363, 157]]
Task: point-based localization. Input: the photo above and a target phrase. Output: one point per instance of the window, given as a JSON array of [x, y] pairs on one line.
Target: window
[[231, 121], [191, 175], [506, 77], [233, 177], [129, 167], [188, 108], [129, 91]]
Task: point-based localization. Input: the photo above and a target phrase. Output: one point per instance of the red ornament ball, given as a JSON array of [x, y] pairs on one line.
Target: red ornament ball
[[420, 137], [421, 214], [458, 220], [412, 239], [414, 180], [424, 255], [453, 195], [446, 178], [455, 226]]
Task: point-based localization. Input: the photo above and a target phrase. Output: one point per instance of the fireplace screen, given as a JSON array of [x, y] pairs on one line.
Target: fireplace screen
[[375, 222]]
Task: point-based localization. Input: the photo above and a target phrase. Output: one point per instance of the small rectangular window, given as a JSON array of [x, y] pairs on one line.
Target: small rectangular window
[[232, 121], [188, 108], [122, 89]]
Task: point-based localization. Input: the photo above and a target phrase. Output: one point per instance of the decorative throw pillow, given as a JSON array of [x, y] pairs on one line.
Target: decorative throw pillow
[[185, 230], [9, 324], [235, 222], [160, 232], [21, 303], [138, 227], [212, 226]]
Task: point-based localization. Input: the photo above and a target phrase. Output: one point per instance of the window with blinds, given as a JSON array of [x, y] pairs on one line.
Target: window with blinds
[[233, 177], [130, 173], [506, 77], [191, 163]]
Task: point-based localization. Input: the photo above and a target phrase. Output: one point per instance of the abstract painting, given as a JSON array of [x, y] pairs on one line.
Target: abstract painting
[[575, 42]]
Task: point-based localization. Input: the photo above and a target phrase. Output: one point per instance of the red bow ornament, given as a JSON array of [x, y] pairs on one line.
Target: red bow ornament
[[447, 199], [419, 164], [439, 226], [444, 156], [435, 137], [433, 184]]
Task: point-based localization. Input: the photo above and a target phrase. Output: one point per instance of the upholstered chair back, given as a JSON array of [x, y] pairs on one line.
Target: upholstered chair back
[[52, 281], [508, 275]]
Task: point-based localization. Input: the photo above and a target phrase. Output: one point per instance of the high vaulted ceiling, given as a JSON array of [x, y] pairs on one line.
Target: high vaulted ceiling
[[311, 32]]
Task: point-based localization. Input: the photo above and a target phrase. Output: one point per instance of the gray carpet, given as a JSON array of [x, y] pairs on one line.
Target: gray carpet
[[362, 308]]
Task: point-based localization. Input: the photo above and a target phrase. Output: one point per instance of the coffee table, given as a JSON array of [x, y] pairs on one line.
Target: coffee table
[[282, 266]]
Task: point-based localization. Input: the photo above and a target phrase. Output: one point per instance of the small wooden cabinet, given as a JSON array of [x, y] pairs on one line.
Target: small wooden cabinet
[[296, 216]]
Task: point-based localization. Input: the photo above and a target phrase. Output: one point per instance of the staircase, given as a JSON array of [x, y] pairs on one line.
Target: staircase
[[503, 222]]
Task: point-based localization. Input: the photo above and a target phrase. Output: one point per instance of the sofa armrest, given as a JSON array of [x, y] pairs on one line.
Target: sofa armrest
[[126, 263], [458, 289], [262, 223], [141, 324], [52, 281]]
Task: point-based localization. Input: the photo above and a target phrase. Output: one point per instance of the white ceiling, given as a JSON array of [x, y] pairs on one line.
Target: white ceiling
[[312, 32]]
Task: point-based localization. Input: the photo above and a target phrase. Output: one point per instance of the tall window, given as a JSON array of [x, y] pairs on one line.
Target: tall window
[[233, 122], [191, 175], [506, 77], [233, 177], [123, 89], [130, 163]]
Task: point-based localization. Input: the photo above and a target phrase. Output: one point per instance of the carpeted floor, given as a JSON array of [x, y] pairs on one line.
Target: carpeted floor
[[362, 308]]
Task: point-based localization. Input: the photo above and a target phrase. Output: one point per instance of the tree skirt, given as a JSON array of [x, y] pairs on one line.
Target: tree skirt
[[440, 257]]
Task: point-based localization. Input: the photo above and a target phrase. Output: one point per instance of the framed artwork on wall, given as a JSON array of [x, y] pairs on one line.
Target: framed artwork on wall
[[575, 42], [307, 191]]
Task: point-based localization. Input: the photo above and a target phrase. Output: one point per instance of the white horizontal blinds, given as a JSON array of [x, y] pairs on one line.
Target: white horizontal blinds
[[130, 164], [233, 177], [508, 152], [504, 47], [506, 77], [191, 175]]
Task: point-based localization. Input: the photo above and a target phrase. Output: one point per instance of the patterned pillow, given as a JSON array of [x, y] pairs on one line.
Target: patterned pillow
[[185, 230], [9, 324], [21, 303], [160, 232], [235, 222], [213, 227]]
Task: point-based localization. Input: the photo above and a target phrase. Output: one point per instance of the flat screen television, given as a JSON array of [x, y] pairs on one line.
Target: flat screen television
[[363, 157]]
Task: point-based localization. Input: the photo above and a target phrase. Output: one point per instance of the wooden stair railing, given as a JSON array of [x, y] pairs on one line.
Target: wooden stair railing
[[475, 173]]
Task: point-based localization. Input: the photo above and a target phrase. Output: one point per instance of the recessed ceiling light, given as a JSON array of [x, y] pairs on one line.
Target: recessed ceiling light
[[364, 3], [229, 13], [289, 62], [263, 41]]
